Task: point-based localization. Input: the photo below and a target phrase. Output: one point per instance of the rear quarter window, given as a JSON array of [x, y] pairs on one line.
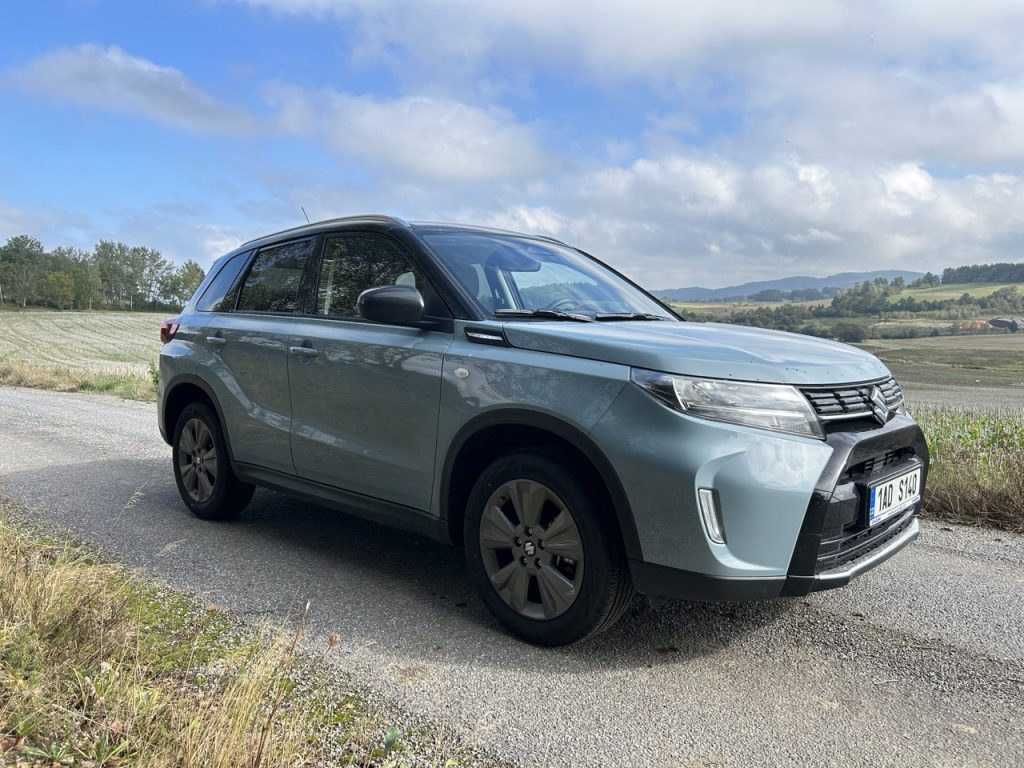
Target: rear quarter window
[[218, 296]]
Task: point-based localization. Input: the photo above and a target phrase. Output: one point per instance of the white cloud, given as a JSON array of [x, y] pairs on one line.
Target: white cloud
[[813, 235], [420, 138], [655, 37], [924, 80], [51, 226], [908, 181], [110, 79]]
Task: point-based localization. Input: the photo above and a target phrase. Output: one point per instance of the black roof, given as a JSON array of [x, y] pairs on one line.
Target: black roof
[[384, 223]]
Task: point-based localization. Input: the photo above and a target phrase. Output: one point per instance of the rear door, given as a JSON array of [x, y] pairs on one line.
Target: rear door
[[250, 348], [365, 396]]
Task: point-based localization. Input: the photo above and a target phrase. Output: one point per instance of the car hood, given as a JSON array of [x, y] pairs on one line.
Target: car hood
[[703, 349]]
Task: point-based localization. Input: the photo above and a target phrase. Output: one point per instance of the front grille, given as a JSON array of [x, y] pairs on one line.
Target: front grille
[[852, 401], [877, 464]]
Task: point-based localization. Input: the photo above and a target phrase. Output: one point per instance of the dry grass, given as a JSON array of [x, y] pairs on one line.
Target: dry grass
[[977, 470], [97, 667], [109, 352], [100, 668]]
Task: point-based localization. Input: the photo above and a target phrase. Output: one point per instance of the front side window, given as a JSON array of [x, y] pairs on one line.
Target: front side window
[[355, 263], [274, 280]]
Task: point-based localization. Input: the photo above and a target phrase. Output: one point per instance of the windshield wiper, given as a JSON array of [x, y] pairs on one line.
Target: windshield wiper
[[550, 314], [606, 316]]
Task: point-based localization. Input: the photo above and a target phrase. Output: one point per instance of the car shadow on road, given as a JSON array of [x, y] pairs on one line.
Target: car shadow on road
[[407, 596]]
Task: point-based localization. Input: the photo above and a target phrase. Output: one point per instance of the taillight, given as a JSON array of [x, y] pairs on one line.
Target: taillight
[[168, 328]]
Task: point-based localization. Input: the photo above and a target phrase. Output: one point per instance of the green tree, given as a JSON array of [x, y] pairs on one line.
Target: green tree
[[191, 275], [22, 264], [59, 289], [150, 273], [86, 279]]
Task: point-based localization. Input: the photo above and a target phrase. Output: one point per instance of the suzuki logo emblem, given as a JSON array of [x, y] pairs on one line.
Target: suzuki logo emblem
[[879, 406]]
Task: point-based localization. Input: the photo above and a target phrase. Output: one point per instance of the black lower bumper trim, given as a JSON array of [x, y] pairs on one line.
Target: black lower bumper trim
[[661, 581]]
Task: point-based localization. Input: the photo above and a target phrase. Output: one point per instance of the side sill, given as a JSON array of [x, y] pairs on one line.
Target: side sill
[[660, 581], [355, 504]]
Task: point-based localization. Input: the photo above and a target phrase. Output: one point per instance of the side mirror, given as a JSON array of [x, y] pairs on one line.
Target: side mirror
[[394, 304]]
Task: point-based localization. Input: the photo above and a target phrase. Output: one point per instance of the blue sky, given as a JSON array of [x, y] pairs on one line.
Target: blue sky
[[701, 143]]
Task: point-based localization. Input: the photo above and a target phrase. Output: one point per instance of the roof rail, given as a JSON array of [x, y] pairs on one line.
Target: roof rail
[[477, 228], [310, 225]]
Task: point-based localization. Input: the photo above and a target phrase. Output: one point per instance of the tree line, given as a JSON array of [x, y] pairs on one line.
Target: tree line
[[110, 276], [985, 273]]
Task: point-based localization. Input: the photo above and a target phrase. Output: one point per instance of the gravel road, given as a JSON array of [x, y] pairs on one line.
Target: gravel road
[[918, 663]]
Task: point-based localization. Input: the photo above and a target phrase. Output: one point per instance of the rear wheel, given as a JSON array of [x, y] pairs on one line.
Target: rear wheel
[[543, 553], [202, 471]]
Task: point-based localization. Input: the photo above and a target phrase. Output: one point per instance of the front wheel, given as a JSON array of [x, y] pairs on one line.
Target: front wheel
[[543, 552], [202, 470]]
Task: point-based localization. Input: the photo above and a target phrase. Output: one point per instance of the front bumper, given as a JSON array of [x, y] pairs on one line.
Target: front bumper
[[660, 581], [835, 543]]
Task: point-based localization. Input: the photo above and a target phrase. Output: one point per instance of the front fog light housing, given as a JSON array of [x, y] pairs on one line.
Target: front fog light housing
[[777, 407], [711, 514]]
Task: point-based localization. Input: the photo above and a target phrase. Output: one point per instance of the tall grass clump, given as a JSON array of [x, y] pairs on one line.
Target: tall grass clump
[[977, 466], [99, 668]]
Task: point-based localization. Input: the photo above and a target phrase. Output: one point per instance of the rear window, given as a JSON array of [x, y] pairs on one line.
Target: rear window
[[216, 298], [274, 280]]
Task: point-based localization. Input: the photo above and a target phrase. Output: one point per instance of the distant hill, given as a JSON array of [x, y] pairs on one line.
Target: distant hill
[[842, 280]]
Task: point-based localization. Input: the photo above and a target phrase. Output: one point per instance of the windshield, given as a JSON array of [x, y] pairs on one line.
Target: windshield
[[507, 273]]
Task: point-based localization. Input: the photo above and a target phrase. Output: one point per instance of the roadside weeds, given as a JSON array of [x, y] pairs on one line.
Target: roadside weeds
[[976, 475], [99, 667], [110, 380]]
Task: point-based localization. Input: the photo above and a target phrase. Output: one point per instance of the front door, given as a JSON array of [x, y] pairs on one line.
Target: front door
[[365, 396]]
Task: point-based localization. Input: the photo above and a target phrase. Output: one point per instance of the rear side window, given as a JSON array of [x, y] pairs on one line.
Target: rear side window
[[274, 280], [218, 296], [353, 264]]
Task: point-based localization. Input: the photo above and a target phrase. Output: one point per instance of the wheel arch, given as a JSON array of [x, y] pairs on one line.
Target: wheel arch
[[181, 391], [496, 433]]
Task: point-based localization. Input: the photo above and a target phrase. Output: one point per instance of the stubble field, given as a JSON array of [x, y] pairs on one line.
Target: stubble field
[[108, 352]]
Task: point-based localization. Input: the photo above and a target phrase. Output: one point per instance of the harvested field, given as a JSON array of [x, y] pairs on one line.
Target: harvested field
[[111, 352], [995, 360]]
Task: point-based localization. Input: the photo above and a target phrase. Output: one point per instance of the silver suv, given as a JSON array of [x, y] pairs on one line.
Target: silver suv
[[515, 396]]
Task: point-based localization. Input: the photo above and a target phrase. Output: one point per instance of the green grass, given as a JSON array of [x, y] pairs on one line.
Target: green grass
[[952, 291], [985, 360], [977, 466], [104, 352]]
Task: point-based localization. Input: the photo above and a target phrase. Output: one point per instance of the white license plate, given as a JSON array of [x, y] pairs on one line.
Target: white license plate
[[894, 495]]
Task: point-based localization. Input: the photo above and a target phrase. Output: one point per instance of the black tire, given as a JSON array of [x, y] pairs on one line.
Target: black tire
[[601, 587], [211, 494]]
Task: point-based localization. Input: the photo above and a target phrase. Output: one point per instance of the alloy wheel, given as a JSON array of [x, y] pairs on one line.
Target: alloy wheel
[[197, 460], [531, 549]]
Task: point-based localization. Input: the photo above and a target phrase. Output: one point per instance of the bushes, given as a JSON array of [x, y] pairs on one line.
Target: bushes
[[851, 333]]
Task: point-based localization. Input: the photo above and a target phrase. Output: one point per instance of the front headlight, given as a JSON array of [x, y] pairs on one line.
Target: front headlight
[[778, 407]]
